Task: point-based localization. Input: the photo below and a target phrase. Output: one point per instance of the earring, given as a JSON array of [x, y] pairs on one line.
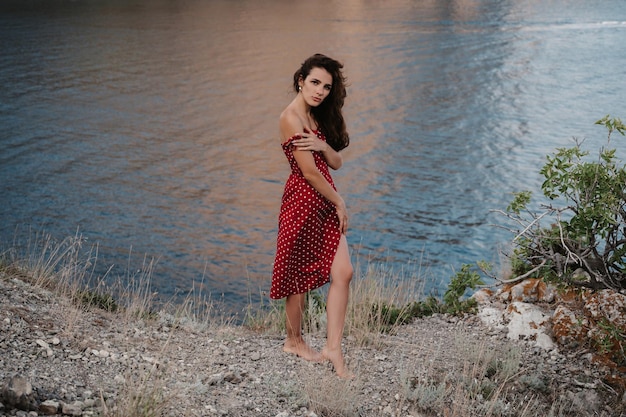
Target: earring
[[299, 88]]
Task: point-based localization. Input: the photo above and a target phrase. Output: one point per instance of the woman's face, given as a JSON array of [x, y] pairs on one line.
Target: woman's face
[[316, 86]]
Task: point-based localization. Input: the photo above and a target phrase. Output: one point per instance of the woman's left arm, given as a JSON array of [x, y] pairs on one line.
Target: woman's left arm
[[333, 158]]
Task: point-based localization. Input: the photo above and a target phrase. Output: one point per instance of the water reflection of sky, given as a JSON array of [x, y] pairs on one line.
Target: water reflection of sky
[[155, 127]]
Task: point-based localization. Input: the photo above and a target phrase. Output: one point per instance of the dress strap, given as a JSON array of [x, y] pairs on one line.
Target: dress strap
[[291, 139]]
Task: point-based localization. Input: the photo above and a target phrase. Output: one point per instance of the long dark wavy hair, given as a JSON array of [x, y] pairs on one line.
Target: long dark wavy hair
[[328, 114]]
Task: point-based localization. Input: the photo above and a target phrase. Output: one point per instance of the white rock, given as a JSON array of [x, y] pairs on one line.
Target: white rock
[[42, 344], [544, 341], [528, 320], [482, 296], [491, 317]]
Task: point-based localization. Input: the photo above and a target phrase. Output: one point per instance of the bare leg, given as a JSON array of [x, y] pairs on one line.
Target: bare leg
[[295, 343], [336, 306]]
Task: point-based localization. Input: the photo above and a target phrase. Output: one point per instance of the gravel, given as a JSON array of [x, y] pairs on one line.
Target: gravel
[[92, 362]]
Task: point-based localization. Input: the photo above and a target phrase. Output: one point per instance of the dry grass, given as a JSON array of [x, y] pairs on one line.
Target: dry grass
[[66, 269], [144, 395], [329, 396], [269, 316], [368, 317], [477, 389]]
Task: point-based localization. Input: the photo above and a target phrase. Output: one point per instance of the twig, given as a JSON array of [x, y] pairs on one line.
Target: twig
[[523, 276], [531, 224]]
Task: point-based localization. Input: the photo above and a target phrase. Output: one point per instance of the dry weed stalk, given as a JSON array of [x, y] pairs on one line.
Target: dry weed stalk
[[329, 396], [143, 395], [371, 296]]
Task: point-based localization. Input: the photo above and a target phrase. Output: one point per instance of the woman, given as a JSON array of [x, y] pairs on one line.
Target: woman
[[311, 244]]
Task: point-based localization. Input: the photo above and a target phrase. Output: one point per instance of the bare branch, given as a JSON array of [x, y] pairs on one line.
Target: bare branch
[[530, 225], [523, 276], [565, 245]]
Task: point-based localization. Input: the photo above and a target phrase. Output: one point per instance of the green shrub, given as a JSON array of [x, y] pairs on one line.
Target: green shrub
[[462, 281], [585, 242]]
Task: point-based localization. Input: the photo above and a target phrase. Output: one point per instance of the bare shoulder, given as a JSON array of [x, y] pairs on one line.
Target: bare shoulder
[[290, 123]]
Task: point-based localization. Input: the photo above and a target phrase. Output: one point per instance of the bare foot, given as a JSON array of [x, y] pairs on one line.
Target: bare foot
[[300, 348], [336, 358]]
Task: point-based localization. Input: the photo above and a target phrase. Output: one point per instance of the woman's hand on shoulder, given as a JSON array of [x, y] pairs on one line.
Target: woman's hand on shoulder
[[291, 126], [308, 141]]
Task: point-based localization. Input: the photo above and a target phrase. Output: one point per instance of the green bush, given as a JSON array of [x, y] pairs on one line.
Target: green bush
[[585, 242]]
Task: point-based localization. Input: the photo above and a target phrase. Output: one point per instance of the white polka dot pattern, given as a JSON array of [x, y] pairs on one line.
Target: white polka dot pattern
[[308, 232]]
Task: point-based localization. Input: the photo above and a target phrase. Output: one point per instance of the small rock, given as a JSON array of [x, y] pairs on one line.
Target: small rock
[[75, 409], [215, 379], [232, 377], [42, 344], [49, 407]]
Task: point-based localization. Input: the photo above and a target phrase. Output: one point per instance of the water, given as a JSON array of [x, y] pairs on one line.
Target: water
[[151, 126]]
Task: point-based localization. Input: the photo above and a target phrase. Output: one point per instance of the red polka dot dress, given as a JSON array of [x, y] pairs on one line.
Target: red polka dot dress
[[308, 231]]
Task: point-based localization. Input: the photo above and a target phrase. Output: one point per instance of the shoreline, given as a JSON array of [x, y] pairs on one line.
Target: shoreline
[[94, 362]]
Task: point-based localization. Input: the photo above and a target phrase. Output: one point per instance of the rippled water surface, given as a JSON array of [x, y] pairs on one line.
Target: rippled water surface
[[151, 126]]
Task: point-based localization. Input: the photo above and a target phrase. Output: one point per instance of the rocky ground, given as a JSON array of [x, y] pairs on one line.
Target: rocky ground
[[87, 363]]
